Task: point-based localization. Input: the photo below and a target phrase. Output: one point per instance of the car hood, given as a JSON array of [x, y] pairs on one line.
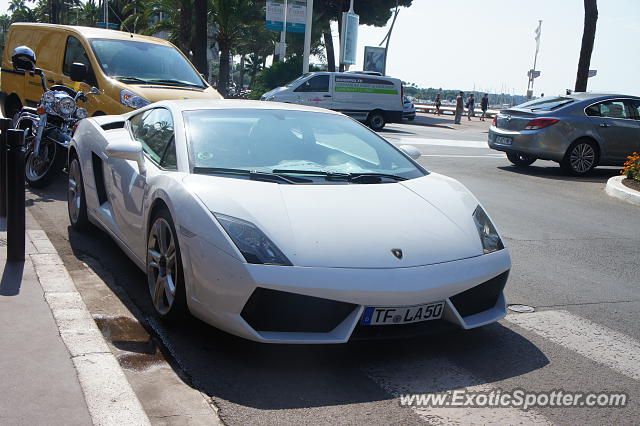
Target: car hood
[[353, 226], [156, 93]]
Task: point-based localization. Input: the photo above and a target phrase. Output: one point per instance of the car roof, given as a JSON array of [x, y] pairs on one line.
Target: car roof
[[201, 104], [591, 95], [93, 32]]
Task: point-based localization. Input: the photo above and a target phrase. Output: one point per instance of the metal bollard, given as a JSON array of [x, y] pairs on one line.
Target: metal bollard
[[15, 196], [5, 124]]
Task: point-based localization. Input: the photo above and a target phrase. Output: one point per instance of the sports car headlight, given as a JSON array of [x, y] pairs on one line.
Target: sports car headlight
[[66, 105], [132, 100], [252, 243], [488, 235]]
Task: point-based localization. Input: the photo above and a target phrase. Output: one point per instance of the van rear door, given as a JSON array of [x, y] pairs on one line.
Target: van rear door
[[316, 91]]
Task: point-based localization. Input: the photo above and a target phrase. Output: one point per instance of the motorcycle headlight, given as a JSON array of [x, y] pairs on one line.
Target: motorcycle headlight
[[132, 100], [81, 113], [48, 97], [66, 105], [252, 243], [488, 235]]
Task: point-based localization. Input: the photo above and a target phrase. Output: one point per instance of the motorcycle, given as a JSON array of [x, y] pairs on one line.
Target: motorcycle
[[49, 127]]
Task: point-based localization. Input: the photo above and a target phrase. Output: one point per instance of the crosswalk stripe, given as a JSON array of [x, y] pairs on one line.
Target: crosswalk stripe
[[440, 142], [438, 375], [594, 341]]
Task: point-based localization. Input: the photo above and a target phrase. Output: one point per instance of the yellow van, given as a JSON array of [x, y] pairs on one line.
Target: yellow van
[[130, 70]]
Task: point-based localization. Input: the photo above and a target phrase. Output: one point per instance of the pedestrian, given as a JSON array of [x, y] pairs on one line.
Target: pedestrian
[[459, 107], [471, 104], [438, 103], [484, 105]]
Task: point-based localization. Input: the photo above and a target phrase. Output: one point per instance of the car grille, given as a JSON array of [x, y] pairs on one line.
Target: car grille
[[481, 297], [273, 310]]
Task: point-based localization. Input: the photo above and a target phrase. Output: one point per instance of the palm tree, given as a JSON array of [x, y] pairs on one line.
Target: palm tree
[[231, 18], [588, 37]]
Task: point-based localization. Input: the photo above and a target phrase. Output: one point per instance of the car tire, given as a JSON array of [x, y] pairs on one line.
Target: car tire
[[520, 160], [165, 277], [411, 118], [76, 201], [581, 158], [376, 120]]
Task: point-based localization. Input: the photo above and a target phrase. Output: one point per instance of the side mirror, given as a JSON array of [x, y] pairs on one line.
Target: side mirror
[[131, 150], [23, 59], [78, 71], [411, 151]]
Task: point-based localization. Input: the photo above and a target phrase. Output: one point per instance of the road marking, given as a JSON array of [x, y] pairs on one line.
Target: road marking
[[594, 341], [440, 142], [440, 375], [494, 156]]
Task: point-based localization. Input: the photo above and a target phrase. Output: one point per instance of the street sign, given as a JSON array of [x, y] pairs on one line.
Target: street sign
[[374, 59], [111, 26], [533, 74], [296, 16], [592, 73], [349, 42]]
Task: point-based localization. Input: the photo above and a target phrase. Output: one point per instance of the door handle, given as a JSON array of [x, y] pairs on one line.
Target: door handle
[[605, 125]]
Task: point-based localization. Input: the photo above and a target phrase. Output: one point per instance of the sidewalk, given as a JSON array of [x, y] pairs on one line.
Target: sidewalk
[[38, 382], [55, 367]]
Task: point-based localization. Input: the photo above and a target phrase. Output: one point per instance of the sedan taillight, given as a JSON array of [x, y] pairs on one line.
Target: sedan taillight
[[540, 123]]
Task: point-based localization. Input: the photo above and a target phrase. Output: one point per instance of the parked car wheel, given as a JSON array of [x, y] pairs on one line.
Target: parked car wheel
[[164, 269], [581, 158], [76, 202], [520, 160], [376, 120]]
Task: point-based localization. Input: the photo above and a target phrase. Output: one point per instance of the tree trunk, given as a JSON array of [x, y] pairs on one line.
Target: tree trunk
[[184, 35], [200, 37], [588, 37], [223, 75], [331, 56], [241, 85], [341, 65]]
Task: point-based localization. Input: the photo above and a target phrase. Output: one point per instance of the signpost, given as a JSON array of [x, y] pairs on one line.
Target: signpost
[[349, 42], [290, 15]]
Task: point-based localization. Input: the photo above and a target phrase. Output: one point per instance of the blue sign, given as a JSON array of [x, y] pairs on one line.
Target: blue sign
[[296, 16]]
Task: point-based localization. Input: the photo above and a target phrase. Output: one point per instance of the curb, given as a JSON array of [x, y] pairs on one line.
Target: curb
[[107, 392], [617, 189]]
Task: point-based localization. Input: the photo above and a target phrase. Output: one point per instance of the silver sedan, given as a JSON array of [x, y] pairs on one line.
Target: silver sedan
[[579, 131]]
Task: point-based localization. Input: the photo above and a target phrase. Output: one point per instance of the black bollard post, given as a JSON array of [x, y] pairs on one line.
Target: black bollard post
[[15, 196], [5, 124]]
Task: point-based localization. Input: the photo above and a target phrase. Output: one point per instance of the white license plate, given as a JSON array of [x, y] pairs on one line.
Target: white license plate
[[402, 314], [503, 140]]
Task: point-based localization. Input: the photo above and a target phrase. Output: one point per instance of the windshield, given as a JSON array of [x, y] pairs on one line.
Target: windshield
[[295, 81], [547, 104], [296, 143], [138, 62]]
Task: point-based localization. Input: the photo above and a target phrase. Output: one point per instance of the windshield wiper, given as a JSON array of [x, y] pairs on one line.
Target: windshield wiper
[[351, 177], [253, 174], [355, 177], [131, 79], [173, 82]]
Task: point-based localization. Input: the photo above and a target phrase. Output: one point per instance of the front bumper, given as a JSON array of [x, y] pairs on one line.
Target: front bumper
[[546, 144], [220, 291]]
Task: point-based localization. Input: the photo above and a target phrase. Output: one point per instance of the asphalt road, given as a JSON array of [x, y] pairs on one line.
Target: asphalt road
[[575, 258]]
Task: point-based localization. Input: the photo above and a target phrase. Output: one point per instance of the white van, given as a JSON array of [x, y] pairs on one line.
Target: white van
[[375, 100]]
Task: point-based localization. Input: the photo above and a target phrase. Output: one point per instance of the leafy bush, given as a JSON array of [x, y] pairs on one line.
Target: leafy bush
[[632, 167]]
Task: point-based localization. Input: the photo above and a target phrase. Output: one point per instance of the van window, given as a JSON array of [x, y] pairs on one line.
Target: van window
[[319, 83], [75, 53]]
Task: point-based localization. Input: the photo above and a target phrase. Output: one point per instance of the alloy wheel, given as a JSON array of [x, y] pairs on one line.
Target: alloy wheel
[[582, 158], [74, 192], [162, 266]]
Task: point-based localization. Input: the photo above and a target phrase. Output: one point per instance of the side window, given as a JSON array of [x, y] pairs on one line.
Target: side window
[[319, 83], [154, 130], [613, 109], [634, 106], [75, 52], [593, 110]]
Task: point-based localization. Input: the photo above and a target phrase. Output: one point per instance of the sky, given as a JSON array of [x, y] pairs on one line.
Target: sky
[[490, 45]]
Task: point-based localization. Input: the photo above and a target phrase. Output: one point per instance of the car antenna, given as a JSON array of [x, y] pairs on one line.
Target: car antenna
[[121, 23]]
